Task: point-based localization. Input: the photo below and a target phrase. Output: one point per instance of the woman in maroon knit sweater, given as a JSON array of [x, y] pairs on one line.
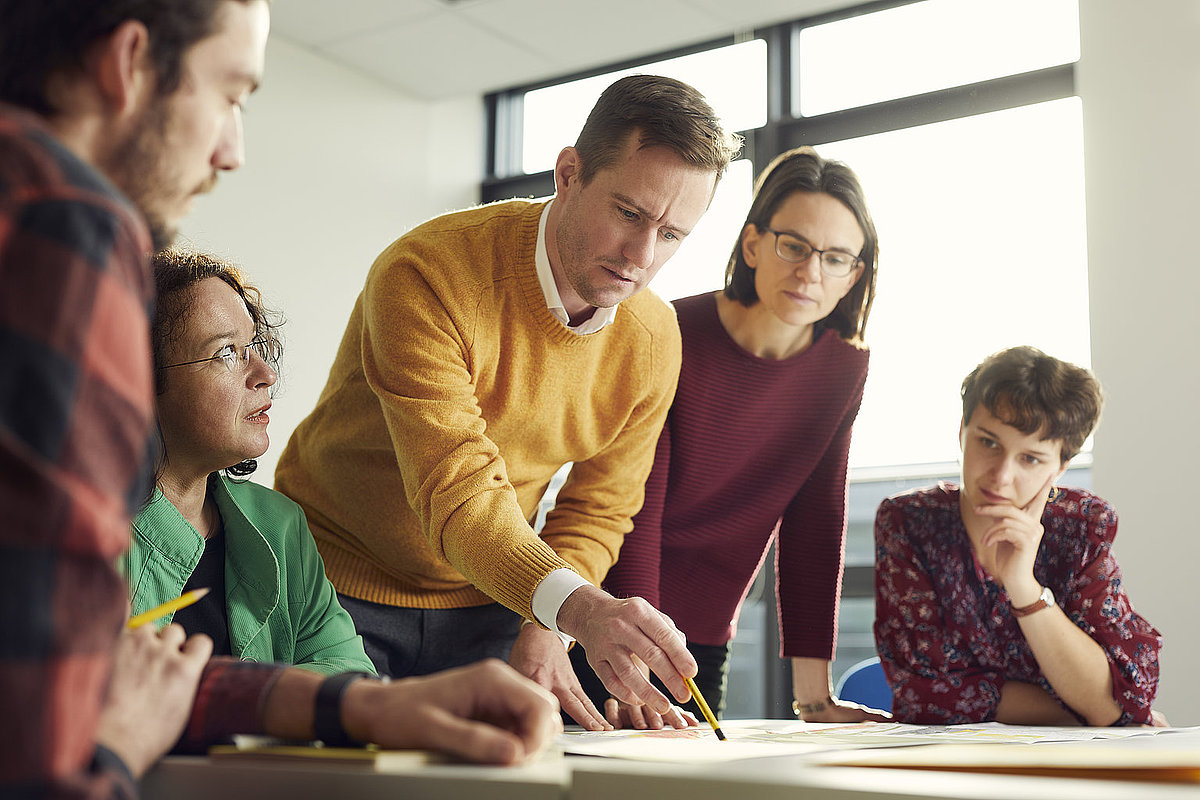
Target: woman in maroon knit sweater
[[755, 446]]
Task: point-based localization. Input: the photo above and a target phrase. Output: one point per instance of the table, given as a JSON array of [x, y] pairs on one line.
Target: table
[[558, 777], [201, 778], [791, 778]]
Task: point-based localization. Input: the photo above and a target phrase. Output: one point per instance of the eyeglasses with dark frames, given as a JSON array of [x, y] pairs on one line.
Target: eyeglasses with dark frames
[[794, 250], [237, 359]]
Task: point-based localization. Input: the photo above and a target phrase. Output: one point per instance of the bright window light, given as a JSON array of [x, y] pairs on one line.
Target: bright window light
[[983, 246], [931, 45], [699, 266], [733, 79]]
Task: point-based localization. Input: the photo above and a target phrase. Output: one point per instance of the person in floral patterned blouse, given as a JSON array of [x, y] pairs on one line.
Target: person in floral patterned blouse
[[1000, 599]]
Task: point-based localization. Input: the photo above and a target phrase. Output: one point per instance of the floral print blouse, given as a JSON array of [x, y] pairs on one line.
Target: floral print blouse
[[945, 632]]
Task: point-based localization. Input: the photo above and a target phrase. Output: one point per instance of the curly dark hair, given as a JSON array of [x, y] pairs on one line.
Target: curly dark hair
[[1036, 394], [177, 271], [39, 38]]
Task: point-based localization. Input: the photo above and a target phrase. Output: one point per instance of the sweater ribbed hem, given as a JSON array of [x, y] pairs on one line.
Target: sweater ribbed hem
[[363, 580]]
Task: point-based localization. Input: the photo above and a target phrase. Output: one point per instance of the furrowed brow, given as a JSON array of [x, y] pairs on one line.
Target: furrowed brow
[[629, 201]]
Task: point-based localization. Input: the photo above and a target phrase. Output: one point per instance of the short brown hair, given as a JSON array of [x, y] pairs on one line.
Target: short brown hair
[[1036, 394], [41, 37], [662, 112], [802, 170]]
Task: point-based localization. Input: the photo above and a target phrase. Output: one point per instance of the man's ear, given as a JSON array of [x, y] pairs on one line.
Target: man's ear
[[567, 170], [122, 68]]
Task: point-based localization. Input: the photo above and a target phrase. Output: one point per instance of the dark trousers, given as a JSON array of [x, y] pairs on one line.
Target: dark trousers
[[713, 661], [418, 641]]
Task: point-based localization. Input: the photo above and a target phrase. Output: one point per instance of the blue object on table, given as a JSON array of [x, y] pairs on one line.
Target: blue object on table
[[865, 683]]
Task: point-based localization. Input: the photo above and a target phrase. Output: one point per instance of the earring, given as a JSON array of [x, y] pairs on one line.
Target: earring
[[1053, 494]]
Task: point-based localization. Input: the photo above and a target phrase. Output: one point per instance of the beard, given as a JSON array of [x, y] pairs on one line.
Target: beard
[[576, 258], [143, 168]]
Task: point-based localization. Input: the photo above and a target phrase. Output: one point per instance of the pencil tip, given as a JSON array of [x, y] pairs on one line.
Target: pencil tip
[[720, 735]]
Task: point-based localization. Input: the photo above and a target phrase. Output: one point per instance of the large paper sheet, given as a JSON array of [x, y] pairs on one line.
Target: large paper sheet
[[761, 738]]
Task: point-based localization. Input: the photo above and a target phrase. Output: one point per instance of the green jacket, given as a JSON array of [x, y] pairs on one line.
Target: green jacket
[[280, 605]]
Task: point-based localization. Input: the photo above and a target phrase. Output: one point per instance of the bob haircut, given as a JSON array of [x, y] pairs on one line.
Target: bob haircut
[[175, 273], [1036, 394], [662, 112], [802, 170], [39, 38]]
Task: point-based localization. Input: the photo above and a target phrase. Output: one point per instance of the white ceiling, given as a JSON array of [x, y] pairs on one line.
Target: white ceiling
[[436, 49]]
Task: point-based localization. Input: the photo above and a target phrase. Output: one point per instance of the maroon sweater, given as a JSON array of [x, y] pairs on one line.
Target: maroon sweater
[[751, 447]]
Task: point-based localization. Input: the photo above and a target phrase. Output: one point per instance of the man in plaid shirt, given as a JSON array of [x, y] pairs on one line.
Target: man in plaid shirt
[[114, 115], [107, 130]]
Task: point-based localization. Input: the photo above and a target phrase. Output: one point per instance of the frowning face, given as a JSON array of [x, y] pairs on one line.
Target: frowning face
[[613, 234]]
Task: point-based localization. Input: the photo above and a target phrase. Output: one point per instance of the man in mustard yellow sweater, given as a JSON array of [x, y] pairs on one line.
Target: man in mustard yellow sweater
[[488, 348]]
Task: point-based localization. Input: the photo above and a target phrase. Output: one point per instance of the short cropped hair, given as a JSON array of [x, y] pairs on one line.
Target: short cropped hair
[[1036, 394], [802, 170], [661, 112], [39, 38], [175, 273]]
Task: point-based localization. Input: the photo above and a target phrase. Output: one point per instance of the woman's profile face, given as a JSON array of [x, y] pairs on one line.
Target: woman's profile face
[[1002, 465], [212, 415], [801, 293]]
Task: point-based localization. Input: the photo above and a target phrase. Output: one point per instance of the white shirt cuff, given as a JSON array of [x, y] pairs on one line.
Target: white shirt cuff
[[549, 596]]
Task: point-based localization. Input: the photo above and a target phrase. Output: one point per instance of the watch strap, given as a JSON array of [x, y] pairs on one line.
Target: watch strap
[[1045, 600], [327, 712]]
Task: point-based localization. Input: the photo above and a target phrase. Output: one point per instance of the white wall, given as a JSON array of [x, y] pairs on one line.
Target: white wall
[[337, 166], [1139, 78]]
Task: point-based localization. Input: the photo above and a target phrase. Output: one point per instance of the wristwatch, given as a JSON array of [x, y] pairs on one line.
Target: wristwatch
[[327, 711], [1045, 600]]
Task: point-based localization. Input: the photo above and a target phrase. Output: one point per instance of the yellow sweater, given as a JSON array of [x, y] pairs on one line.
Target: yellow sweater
[[454, 397]]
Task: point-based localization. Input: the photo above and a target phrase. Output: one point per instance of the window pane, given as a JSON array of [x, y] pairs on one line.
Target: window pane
[[928, 46], [749, 656], [983, 246], [856, 635], [733, 79], [699, 266]]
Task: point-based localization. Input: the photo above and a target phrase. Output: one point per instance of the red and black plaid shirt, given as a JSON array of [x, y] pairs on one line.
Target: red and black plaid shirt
[[76, 457]]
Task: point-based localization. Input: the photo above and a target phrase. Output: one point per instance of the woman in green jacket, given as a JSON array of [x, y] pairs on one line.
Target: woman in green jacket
[[206, 526]]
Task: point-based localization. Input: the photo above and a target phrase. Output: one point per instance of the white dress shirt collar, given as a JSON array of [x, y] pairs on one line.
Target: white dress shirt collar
[[599, 319]]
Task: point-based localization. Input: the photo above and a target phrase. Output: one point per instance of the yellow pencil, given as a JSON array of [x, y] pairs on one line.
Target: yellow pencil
[[708, 715], [166, 608]]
